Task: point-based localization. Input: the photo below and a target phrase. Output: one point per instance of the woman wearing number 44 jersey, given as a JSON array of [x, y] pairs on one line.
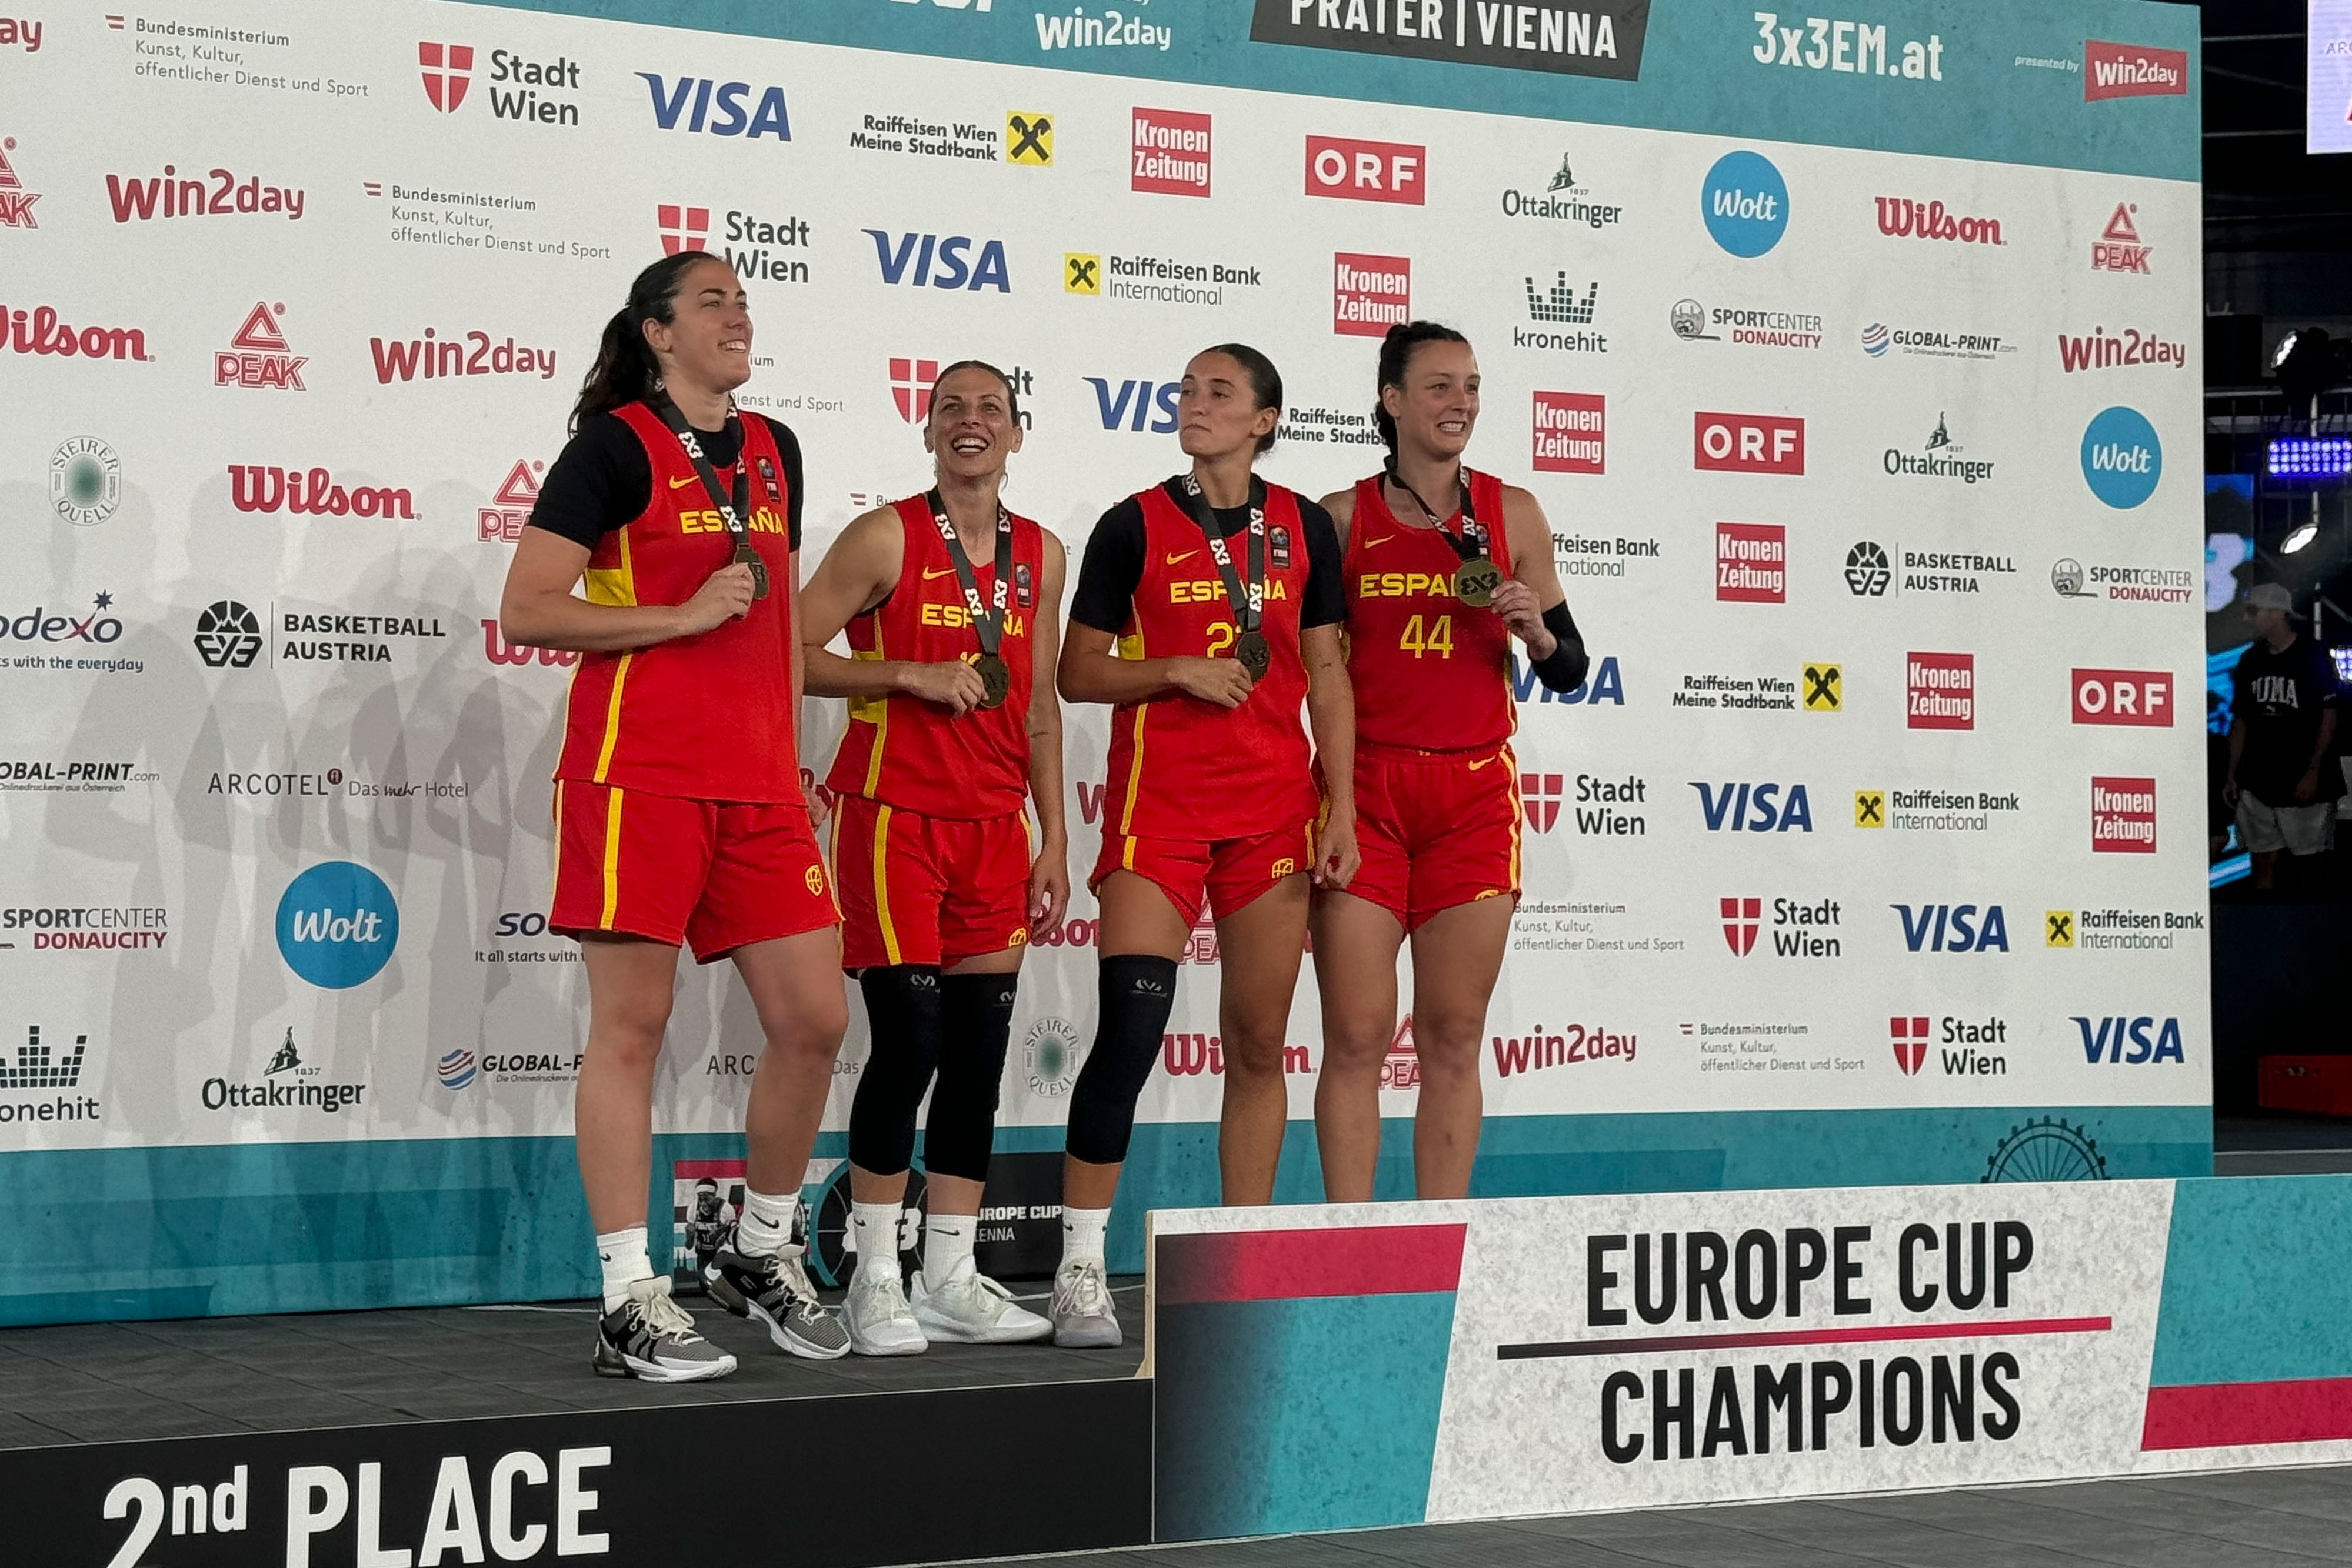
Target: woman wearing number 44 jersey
[[1219, 594], [1444, 567], [952, 607]]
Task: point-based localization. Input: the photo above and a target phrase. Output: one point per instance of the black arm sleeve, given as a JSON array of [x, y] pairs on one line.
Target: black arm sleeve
[[599, 482], [1112, 569], [1564, 670], [788, 447], [1326, 600]]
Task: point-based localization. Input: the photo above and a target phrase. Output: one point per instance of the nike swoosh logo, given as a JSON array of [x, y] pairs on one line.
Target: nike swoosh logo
[[929, 574], [1481, 762], [682, 484], [1382, 541], [1188, 555]]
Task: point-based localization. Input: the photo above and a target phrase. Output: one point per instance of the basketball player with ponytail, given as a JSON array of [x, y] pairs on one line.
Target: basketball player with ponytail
[[1446, 567], [953, 608], [679, 816]]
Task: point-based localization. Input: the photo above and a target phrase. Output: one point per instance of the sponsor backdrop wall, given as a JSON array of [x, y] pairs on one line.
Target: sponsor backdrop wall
[[1852, 360]]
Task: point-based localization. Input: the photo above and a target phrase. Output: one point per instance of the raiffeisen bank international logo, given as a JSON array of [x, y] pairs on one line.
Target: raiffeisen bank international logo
[[1745, 204]]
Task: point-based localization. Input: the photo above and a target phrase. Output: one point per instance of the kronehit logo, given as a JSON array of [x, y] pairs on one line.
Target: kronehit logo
[[337, 924], [1745, 204]]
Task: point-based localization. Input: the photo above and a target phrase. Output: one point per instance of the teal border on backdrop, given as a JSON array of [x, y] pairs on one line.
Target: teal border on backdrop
[[228, 1229], [1697, 73], [2257, 1271]]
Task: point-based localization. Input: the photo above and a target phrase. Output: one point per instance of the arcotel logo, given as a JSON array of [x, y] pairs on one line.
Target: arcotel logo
[[2141, 699], [1571, 433], [1369, 294], [1901, 217], [2128, 70], [40, 331], [1748, 442], [447, 71], [2122, 816], [690, 104], [1751, 563], [254, 488], [1170, 149], [15, 202], [509, 509], [259, 354], [1941, 690], [1367, 170], [2117, 248]]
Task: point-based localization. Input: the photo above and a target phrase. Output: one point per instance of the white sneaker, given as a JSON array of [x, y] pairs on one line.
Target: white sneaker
[[1083, 1317], [970, 1308], [879, 1323]]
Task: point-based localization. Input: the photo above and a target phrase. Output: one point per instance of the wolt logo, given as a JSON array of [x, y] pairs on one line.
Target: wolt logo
[[910, 387], [447, 70], [1539, 796], [1740, 919], [1909, 1036], [682, 228]]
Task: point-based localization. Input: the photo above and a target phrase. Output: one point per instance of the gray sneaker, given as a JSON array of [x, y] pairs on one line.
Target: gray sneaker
[[1081, 1309], [875, 1310], [970, 1308], [775, 1290], [650, 1336]]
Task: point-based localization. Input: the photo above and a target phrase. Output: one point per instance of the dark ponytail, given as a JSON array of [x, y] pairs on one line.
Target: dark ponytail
[[1266, 383], [625, 370], [1396, 354]]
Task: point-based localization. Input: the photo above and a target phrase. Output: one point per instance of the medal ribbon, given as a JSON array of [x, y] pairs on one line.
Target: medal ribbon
[[733, 510], [987, 624], [1247, 603], [1470, 544]]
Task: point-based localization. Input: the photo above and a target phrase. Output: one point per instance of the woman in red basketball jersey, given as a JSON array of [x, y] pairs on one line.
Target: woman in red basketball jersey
[[1219, 595], [953, 609], [1444, 566], [678, 811]]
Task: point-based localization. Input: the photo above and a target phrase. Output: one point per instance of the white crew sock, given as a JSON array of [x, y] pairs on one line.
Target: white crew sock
[[1082, 1234], [947, 1241], [767, 1222], [621, 1256], [876, 1227]]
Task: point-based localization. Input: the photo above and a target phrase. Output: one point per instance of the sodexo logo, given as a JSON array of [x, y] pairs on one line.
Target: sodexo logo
[[1745, 202], [2122, 459], [337, 924]]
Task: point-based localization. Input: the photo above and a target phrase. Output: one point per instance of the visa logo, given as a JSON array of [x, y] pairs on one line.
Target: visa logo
[[694, 97], [910, 259], [1755, 807], [1604, 683], [1142, 397], [2107, 1042], [1953, 927]]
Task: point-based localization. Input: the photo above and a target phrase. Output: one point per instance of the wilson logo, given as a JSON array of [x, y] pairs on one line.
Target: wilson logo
[[499, 650], [314, 493], [1900, 217], [41, 330]]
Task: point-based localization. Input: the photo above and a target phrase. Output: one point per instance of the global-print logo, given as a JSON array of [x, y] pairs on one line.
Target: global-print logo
[[267, 487], [1170, 147], [1875, 340], [228, 635], [509, 512], [2118, 247], [1942, 691], [456, 1069], [85, 481], [2122, 815], [1539, 797], [2122, 459], [15, 202], [1745, 204], [259, 354], [447, 70], [912, 380], [1751, 563], [337, 924], [933, 261], [1355, 171], [689, 105], [1909, 1035]]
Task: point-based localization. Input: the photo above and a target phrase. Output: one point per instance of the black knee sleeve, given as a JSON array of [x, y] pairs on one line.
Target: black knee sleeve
[[1137, 992], [975, 1028], [902, 1013]]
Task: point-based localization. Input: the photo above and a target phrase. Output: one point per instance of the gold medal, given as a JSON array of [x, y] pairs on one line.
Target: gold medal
[[1474, 581], [1251, 653], [750, 557], [995, 680]]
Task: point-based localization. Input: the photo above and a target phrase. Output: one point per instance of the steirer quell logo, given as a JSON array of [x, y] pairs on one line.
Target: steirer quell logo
[[337, 924]]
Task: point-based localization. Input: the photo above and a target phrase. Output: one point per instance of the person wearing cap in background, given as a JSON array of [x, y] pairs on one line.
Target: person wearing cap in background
[[2282, 726]]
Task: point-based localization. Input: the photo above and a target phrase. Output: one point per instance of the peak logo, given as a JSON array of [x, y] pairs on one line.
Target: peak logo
[[2122, 816], [2122, 459], [1751, 563], [1901, 217], [254, 488], [1953, 927], [1745, 204], [2118, 248], [692, 100], [2124, 1042], [1540, 797], [15, 202], [434, 358], [907, 259], [510, 509], [2139, 698], [1605, 683], [1135, 402], [1942, 691], [1571, 433], [1748, 442], [682, 228], [2128, 70], [260, 356], [1170, 149], [217, 195], [40, 331], [1369, 294], [1754, 807], [1354, 171], [447, 70]]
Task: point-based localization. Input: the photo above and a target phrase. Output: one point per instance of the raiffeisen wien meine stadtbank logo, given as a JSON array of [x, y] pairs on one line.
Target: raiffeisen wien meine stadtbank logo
[[337, 924], [2122, 459], [1745, 202]]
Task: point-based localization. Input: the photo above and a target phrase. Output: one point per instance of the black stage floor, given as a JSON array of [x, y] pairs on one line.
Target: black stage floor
[[103, 1383]]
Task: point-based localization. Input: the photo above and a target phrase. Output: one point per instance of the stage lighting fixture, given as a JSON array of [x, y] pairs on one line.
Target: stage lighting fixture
[[2310, 456], [2307, 362], [2300, 538]]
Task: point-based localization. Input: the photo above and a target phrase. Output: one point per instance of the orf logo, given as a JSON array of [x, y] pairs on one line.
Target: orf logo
[[910, 387], [1539, 796], [1745, 204], [1909, 1036], [337, 924], [447, 70], [2138, 697], [1366, 171], [1740, 919], [682, 228], [2122, 459], [1748, 442]]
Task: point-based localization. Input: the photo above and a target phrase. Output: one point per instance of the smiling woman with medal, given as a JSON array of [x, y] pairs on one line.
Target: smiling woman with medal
[[1207, 612], [1444, 566], [952, 605], [678, 812]]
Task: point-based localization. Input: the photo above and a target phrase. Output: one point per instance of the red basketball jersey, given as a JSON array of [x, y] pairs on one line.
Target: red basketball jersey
[[706, 717], [918, 756], [1429, 673], [1185, 768]]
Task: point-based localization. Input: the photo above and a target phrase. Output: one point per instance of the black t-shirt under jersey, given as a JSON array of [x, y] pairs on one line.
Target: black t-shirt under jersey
[[1113, 566], [601, 480]]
